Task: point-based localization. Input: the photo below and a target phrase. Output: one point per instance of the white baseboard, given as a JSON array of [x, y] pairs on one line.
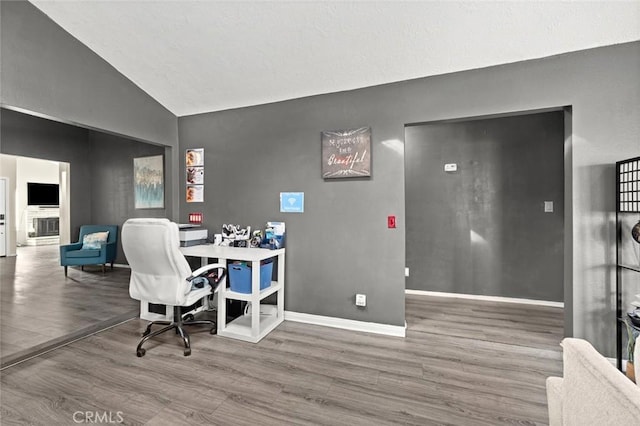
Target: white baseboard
[[487, 298], [346, 324], [121, 265]]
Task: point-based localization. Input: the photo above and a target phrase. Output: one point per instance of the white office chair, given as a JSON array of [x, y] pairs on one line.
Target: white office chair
[[160, 274]]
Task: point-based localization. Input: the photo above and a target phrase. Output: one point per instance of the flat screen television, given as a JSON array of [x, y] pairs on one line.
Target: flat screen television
[[43, 194]]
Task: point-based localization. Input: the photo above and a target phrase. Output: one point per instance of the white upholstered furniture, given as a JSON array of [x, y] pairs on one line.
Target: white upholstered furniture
[[160, 274], [592, 391]]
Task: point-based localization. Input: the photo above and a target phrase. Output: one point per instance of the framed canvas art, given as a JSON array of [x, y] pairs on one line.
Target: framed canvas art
[[346, 153], [148, 181]]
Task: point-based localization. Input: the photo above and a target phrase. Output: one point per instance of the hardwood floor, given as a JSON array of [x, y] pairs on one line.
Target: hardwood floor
[[40, 307], [462, 363]]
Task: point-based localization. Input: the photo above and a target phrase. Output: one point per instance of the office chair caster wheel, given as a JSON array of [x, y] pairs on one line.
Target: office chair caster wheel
[[189, 317], [214, 330], [140, 352], [187, 352]]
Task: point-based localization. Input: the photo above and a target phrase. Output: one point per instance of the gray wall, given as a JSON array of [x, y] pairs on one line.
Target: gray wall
[[340, 246], [47, 72], [482, 229], [101, 166], [112, 200], [29, 136]]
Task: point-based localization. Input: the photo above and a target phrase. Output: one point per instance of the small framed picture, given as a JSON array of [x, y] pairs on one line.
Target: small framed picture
[[195, 193], [194, 157], [195, 175]]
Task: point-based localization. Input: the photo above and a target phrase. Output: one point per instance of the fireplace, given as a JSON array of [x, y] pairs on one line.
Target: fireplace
[[46, 226]]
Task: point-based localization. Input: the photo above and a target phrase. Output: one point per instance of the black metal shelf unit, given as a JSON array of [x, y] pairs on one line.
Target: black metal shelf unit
[[627, 203]]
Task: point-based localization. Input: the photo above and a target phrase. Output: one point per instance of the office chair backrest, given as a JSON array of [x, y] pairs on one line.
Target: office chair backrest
[[158, 268]]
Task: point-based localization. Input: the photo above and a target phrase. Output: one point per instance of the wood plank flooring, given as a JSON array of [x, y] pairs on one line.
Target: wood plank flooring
[[462, 363], [39, 306]]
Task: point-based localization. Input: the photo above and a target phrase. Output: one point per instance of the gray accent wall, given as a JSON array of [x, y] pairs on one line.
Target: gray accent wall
[[46, 72], [482, 229], [340, 245], [101, 167], [112, 199], [29, 136]]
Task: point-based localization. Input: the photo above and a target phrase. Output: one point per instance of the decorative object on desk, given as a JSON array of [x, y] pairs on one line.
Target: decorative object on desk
[[148, 181], [274, 236], [240, 243], [346, 153], [256, 239], [195, 193], [235, 232], [635, 232]]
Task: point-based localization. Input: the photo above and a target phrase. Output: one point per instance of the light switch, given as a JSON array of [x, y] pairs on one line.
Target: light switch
[[450, 167], [548, 206]]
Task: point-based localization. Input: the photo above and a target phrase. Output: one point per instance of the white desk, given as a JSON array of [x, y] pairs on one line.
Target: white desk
[[250, 328]]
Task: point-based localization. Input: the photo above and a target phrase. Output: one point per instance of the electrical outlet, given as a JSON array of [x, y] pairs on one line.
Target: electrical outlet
[[361, 300], [406, 271]]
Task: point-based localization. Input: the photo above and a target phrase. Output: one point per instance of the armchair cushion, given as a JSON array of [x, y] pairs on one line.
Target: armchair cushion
[[94, 240], [83, 253]]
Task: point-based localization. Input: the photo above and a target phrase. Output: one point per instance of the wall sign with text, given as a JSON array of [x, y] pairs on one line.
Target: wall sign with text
[[346, 153], [292, 202]]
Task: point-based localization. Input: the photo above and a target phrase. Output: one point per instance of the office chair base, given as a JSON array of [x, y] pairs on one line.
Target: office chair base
[[177, 324]]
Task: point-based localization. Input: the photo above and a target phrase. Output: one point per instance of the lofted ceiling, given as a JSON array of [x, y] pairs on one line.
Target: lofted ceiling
[[201, 56]]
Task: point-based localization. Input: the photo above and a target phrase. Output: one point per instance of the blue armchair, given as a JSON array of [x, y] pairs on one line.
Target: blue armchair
[[102, 253]]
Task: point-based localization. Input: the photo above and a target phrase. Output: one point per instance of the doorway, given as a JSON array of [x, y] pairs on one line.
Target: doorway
[[485, 206], [3, 217], [37, 202]]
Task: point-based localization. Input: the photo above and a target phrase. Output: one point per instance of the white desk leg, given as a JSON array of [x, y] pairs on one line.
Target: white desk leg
[[281, 282], [222, 299], [255, 298]]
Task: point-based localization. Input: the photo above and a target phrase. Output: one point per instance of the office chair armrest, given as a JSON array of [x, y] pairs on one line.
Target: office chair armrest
[[209, 267]]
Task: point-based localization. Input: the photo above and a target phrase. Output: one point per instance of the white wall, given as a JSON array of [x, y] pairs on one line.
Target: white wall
[[30, 170], [8, 170]]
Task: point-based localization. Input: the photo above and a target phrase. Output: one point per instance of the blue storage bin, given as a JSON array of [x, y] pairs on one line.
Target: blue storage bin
[[240, 276]]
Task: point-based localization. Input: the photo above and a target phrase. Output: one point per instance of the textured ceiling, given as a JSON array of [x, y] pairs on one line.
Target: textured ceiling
[[201, 56]]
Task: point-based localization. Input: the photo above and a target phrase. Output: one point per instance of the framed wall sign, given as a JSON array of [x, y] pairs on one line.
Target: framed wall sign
[[195, 193], [346, 153], [148, 181], [194, 167], [292, 202]]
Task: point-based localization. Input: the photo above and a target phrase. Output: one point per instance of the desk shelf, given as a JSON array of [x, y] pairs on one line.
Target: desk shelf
[[249, 328], [240, 328], [248, 297]]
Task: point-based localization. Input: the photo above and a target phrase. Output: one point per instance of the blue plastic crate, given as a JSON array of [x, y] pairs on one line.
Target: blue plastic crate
[[240, 276]]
